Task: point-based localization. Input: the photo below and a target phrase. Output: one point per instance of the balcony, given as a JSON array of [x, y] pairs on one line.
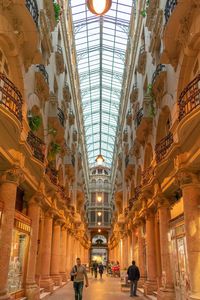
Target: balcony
[[134, 94], [158, 82], [69, 162], [10, 97], [71, 118], [53, 174], [162, 148], [50, 13], [129, 166], [134, 199], [143, 120], [129, 118], [151, 14], [66, 93], [176, 29], [189, 99], [42, 82], [60, 67], [142, 60], [56, 119], [125, 135], [37, 146], [33, 9], [147, 175]]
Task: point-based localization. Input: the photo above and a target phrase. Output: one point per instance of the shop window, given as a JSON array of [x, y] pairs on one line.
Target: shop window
[[16, 273]]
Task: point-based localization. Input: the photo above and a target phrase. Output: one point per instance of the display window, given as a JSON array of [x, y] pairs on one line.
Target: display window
[[18, 256]]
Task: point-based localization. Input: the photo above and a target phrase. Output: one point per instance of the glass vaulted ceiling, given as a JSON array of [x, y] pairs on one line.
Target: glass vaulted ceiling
[[101, 44]]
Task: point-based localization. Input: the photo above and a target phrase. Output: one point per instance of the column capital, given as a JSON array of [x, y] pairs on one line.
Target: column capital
[[161, 200], [187, 177], [13, 175]]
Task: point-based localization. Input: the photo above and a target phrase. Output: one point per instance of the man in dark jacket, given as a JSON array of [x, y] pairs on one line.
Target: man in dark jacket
[[133, 276]]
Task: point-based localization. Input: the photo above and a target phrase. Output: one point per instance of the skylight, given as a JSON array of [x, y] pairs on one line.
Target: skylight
[[101, 44]]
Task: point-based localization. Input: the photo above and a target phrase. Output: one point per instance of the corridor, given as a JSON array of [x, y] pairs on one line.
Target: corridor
[[105, 289]]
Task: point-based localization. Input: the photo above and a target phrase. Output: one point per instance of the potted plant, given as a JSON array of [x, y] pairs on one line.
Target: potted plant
[[54, 149], [34, 122]]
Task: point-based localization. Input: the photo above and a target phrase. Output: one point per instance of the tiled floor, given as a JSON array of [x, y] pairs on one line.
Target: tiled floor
[[105, 289]]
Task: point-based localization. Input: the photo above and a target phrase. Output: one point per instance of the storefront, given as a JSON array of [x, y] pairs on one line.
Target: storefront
[[179, 258], [19, 254]]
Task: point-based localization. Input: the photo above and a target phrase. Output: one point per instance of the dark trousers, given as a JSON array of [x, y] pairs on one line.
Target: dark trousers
[[133, 288], [78, 288]]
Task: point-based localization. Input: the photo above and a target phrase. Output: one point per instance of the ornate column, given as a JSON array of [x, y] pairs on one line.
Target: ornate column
[[151, 283], [46, 281], [141, 255], [32, 289], [55, 253], [190, 185], [63, 249], [69, 253], [8, 190], [166, 291]]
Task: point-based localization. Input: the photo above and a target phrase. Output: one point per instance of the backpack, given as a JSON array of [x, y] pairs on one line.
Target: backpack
[[73, 276]]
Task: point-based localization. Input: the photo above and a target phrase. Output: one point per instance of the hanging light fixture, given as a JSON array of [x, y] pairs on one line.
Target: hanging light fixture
[[99, 223], [99, 7], [99, 159], [99, 230], [99, 214], [99, 198]]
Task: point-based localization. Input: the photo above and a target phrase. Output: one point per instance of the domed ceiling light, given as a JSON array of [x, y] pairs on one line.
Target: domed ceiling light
[[99, 7]]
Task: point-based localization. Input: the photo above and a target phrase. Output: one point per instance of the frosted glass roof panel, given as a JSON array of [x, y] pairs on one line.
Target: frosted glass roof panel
[[101, 44]]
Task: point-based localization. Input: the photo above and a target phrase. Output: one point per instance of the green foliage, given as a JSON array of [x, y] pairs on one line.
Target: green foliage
[[54, 149], [143, 13], [57, 10], [34, 122]]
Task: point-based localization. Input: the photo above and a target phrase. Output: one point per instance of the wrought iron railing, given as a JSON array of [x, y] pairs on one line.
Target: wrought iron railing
[[53, 174], [33, 9], [189, 98], [37, 146], [160, 68], [42, 69], [169, 7], [147, 175], [138, 117], [61, 116], [10, 97], [163, 146], [59, 49], [142, 49]]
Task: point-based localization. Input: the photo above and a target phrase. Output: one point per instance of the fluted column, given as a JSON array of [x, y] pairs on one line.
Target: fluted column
[[190, 185], [32, 289], [63, 254], [46, 281], [151, 283], [166, 292], [141, 255], [55, 254], [8, 190]]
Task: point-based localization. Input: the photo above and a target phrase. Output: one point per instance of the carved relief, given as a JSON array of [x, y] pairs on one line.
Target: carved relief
[[142, 62], [14, 175]]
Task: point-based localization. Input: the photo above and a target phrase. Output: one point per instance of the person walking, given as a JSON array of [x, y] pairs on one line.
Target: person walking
[[95, 266], [101, 268], [133, 276], [79, 273]]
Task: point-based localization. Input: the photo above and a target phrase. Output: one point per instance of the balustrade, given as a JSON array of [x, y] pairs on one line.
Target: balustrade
[[37, 146], [33, 9], [10, 97], [163, 146], [189, 98], [42, 69], [160, 68], [147, 174], [53, 174], [61, 116], [169, 7], [139, 116]]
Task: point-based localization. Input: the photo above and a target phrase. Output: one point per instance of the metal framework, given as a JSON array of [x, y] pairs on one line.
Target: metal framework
[[101, 44]]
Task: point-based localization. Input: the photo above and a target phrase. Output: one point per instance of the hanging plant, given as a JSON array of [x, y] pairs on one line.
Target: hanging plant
[[54, 149], [144, 11], [34, 122], [57, 10]]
